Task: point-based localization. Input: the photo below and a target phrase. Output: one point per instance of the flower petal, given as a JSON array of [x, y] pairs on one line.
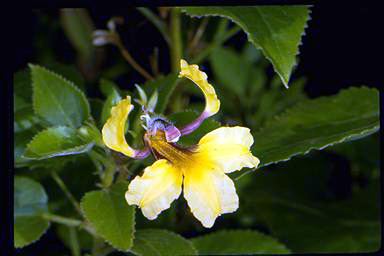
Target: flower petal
[[155, 190], [228, 148], [193, 73], [209, 194], [114, 128]]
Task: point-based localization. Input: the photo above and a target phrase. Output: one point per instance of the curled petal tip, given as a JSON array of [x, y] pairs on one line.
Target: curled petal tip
[[200, 78]]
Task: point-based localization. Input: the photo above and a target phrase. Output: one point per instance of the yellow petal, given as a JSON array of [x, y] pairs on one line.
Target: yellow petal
[[114, 128], [193, 73], [156, 189], [228, 148], [209, 194]]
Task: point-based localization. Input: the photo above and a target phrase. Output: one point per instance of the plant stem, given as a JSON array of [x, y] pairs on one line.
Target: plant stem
[[75, 247], [109, 167], [216, 43], [199, 33], [133, 63], [223, 24], [61, 219], [159, 24], [176, 49], [66, 191]]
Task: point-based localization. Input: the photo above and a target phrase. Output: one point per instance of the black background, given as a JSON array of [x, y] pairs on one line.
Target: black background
[[344, 49]]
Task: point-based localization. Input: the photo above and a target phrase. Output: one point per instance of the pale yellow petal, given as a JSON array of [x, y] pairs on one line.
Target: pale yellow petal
[[193, 73], [114, 129], [209, 194], [155, 190], [228, 148]]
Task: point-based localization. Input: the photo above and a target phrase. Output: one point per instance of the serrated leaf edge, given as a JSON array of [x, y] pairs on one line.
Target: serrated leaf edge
[[298, 106], [234, 231], [102, 236], [38, 238], [88, 145], [70, 83], [243, 27], [170, 233]]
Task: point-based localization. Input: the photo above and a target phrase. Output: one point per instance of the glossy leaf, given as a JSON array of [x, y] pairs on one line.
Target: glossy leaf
[[318, 123], [56, 99], [110, 215], [238, 242], [30, 201], [276, 30], [161, 242], [56, 141]]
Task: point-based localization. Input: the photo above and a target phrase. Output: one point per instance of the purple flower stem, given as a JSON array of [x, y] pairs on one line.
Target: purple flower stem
[[187, 129], [142, 153]]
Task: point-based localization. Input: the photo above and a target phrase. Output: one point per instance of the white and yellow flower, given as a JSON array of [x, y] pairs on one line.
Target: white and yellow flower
[[200, 169]]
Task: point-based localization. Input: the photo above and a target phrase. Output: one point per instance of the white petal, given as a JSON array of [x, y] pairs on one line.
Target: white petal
[[155, 190]]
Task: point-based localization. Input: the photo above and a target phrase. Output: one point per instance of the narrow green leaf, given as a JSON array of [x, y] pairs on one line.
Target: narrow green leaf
[[165, 86], [56, 99], [110, 215], [183, 118], [78, 27], [276, 30], [113, 97], [238, 242], [161, 242], [30, 201], [318, 123], [56, 141]]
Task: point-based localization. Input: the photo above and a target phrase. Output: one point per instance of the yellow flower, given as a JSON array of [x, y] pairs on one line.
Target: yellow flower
[[200, 169]]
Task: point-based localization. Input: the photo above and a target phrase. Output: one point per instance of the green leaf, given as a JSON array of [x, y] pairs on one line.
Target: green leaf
[[231, 70], [161, 242], [56, 141], [78, 27], [237, 242], [22, 85], [113, 97], [20, 142], [183, 118], [70, 72], [96, 109], [110, 215], [30, 201], [56, 99], [165, 86], [299, 207], [85, 239], [23, 116], [276, 30], [318, 123]]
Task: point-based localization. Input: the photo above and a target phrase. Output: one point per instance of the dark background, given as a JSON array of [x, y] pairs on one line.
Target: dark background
[[347, 52], [345, 49]]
